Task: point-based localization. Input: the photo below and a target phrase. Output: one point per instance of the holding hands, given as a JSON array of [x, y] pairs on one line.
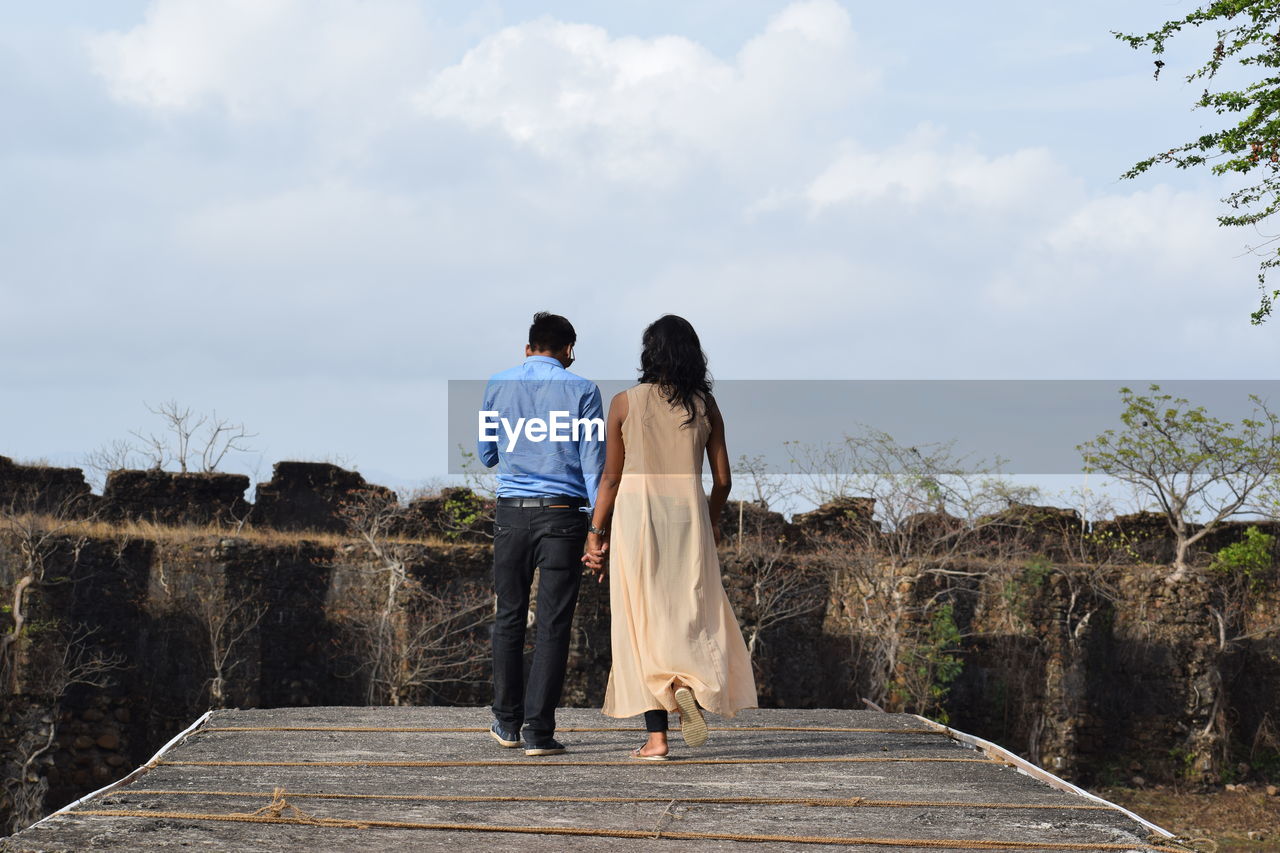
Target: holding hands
[[593, 555]]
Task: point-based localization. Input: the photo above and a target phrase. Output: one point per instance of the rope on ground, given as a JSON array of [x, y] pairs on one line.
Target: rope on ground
[[542, 762], [830, 802], [666, 813], [422, 730], [923, 843], [278, 807]]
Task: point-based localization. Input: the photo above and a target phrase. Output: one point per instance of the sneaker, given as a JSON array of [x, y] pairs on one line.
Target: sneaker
[[509, 738], [546, 747]]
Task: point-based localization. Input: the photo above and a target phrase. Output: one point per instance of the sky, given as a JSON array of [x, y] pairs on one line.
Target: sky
[[309, 215]]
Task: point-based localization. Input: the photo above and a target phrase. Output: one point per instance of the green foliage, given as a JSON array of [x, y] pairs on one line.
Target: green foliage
[[1018, 590], [944, 639], [34, 629], [1251, 558], [1037, 571], [1113, 542], [1184, 761], [931, 666], [1249, 139], [461, 509], [1167, 437], [478, 478], [1186, 460]]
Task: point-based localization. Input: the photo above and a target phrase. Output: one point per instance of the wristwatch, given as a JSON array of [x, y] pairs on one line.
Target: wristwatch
[[591, 528]]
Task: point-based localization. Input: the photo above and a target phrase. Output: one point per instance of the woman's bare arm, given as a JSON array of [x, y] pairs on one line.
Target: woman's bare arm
[[607, 494], [721, 476]]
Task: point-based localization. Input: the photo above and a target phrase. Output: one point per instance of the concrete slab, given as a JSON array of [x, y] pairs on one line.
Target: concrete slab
[[372, 779]]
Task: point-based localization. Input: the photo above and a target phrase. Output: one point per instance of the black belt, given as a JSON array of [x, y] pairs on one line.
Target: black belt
[[534, 502]]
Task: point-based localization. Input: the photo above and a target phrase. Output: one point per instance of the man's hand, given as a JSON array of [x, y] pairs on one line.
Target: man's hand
[[593, 555]]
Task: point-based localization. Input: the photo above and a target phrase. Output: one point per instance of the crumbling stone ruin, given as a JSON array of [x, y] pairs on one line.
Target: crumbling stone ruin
[[1066, 643]]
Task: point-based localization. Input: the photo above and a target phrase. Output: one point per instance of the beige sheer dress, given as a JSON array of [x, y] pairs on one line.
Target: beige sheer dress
[[671, 619]]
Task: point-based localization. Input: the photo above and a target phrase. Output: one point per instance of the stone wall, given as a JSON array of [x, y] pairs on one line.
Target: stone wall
[[308, 496], [166, 497], [149, 608], [1128, 692], [300, 496], [41, 488], [1098, 668]]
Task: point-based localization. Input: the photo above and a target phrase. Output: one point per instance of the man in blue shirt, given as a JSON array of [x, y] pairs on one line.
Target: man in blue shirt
[[544, 428]]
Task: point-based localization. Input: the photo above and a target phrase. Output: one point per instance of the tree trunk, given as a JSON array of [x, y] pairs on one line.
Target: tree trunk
[[1182, 547], [8, 650]]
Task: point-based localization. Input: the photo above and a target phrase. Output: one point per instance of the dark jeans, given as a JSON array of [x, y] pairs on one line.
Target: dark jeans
[[551, 540], [655, 721]]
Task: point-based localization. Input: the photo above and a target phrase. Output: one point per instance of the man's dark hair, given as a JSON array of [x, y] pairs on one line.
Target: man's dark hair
[[551, 333]]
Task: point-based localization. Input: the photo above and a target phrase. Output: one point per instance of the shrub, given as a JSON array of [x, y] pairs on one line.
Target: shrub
[[1251, 558]]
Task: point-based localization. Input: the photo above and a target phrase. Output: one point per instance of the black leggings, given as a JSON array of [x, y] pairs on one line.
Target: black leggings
[[655, 721]]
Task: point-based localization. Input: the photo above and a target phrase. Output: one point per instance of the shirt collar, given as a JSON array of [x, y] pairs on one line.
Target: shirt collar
[[544, 358]]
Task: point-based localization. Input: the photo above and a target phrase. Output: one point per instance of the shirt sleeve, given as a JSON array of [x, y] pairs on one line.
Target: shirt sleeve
[[487, 451], [591, 443]]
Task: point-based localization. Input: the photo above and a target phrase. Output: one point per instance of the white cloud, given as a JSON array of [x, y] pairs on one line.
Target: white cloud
[[1138, 258], [332, 222], [644, 109], [969, 244], [772, 311], [1168, 224], [922, 169], [257, 59], [458, 205]]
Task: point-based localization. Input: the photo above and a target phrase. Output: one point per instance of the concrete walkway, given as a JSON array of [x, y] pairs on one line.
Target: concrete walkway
[[432, 779]]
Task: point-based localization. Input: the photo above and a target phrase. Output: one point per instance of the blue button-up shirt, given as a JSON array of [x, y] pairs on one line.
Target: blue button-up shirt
[[529, 467]]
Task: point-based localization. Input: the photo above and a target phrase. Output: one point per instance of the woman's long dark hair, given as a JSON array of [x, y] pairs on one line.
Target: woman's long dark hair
[[672, 358]]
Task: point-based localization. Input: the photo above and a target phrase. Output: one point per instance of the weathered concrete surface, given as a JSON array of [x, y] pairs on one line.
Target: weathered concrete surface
[[941, 793]]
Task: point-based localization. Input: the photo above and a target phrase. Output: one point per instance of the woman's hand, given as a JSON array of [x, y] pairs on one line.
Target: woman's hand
[[593, 555], [717, 533]]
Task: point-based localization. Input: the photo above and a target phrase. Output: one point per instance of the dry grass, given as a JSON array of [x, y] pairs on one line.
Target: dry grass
[[170, 533], [1226, 817]]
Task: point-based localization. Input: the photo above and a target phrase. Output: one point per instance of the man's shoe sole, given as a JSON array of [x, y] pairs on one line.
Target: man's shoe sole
[[509, 744], [544, 750], [693, 728]]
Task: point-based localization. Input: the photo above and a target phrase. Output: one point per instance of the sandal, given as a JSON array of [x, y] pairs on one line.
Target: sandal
[[635, 753], [693, 728]]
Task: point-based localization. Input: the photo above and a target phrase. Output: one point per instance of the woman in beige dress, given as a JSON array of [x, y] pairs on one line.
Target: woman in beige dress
[[676, 643]]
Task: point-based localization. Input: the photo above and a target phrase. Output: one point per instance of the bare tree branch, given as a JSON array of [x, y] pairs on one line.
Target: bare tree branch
[[409, 638]]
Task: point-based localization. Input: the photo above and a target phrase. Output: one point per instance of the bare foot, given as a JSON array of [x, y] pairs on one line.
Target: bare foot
[[655, 745]]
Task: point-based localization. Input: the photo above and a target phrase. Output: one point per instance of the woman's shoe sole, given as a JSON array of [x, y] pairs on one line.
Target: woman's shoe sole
[[640, 757], [693, 728]]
